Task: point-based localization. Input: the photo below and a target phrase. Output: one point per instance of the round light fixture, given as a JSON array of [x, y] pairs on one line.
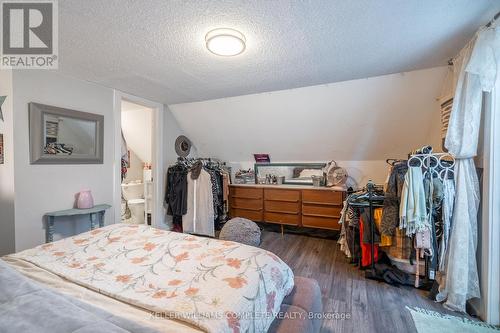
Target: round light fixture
[[225, 42]]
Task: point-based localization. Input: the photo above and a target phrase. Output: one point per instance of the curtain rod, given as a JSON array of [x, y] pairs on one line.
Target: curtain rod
[[495, 17]]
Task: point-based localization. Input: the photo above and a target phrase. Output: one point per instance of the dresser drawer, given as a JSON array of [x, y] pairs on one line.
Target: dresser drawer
[[322, 197], [282, 195], [291, 219], [282, 206], [250, 204], [246, 192], [321, 210], [320, 222], [247, 214]]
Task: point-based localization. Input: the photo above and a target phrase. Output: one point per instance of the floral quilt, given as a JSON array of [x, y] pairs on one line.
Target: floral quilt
[[219, 286]]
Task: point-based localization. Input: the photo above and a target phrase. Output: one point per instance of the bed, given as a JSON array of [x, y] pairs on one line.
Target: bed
[[173, 282]]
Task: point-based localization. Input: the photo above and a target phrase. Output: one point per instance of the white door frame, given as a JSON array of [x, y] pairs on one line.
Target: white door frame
[[490, 269], [157, 218]]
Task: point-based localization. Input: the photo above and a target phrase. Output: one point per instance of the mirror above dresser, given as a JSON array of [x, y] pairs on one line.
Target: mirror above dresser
[[289, 173]]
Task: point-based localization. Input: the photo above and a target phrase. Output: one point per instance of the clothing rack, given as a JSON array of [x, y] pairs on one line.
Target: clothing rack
[[176, 194], [430, 162], [440, 165], [371, 196], [188, 162]]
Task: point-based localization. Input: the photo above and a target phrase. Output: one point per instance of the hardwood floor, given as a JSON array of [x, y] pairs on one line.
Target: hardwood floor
[[373, 306]]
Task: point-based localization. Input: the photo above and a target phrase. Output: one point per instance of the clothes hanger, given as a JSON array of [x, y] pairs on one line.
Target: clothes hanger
[[394, 161]]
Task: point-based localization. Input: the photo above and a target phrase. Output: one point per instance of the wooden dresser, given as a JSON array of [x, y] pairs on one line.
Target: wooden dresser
[[307, 206]]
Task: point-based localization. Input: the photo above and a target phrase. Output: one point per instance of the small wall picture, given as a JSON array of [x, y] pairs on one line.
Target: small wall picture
[[1, 148]]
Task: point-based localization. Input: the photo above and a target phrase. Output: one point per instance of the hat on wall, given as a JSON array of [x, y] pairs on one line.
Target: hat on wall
[[182, 146]]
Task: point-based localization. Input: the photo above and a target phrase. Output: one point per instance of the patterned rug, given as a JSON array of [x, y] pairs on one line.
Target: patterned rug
[[427, 321]]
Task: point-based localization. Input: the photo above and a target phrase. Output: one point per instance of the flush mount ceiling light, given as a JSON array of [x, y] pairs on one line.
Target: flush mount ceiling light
[[225, 42]]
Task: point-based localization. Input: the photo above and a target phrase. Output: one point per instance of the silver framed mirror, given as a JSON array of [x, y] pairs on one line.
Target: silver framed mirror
[[65, 136]]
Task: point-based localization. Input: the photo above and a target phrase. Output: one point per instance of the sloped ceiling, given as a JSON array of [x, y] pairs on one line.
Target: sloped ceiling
[[136, 128], [367, 119], [155, 49]]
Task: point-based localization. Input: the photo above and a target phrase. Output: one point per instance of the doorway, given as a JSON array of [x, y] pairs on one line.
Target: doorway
[[138, 161]]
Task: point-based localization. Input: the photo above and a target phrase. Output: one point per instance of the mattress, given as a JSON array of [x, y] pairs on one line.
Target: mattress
[[116, 307], [191, 283]]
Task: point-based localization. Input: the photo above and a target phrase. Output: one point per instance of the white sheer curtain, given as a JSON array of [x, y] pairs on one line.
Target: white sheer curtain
[[478, 63]]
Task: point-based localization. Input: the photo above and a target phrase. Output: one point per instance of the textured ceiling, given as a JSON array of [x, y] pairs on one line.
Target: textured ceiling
[[155, 48]]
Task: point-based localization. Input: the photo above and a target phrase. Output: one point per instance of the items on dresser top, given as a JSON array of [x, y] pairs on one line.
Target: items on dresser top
[[244, 176], [297, 205], [291, 173]]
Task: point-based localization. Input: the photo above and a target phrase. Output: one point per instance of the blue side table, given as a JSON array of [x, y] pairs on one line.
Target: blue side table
[[95, 211]]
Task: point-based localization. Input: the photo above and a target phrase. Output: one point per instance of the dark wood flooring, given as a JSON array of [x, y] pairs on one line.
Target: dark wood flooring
[[373, 306]]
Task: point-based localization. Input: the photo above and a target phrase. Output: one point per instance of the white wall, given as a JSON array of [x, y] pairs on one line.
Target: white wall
[[7, 208], [44, 188], [137, 127], [172, 130], [359, 122]]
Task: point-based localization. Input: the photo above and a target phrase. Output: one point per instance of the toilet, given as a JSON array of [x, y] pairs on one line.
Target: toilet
[[133, 193]]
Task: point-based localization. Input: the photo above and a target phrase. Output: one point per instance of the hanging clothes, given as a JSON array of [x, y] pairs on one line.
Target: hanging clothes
[[448, 199], [413, 213], [199, 218], [216, 181], [125, 162], [176, 195], [478, 69], [358, 223], [342, 241], [377, 217], [393, 192], [366, 251], [226, 180]]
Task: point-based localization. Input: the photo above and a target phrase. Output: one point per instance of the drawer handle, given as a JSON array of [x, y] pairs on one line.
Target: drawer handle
[[250, 198], [252, 209], [322, 215], [283, 212], [283, 200], [321, 203]]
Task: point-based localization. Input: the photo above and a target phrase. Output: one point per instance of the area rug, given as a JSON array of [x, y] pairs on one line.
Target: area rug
[[427, 321]]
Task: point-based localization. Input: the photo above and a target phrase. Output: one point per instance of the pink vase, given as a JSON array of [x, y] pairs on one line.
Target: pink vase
[[85, 200]]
